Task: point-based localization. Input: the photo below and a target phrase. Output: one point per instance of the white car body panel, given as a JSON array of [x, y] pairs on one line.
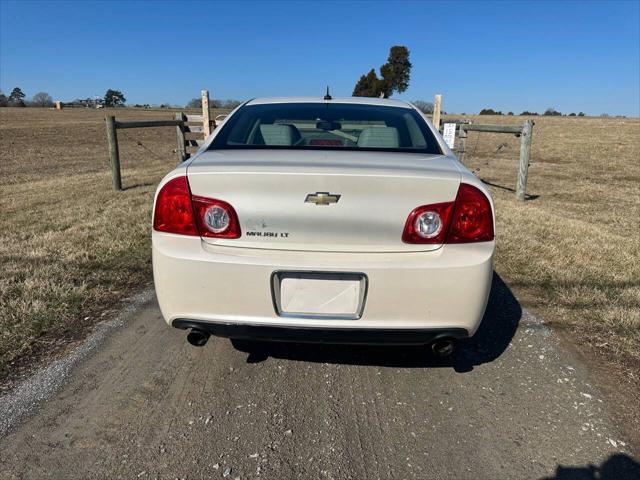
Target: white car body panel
[[445, 288], [366, 221], [408, 286]]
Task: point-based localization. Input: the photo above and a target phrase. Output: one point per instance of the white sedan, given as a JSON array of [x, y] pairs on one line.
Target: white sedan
[[311, 220]]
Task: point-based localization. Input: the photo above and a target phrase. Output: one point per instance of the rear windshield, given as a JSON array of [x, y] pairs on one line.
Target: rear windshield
[[326, 126]]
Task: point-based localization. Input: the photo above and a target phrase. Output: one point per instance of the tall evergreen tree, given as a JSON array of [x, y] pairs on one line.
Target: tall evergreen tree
[[394, 76], [16, 97], [369, 85]]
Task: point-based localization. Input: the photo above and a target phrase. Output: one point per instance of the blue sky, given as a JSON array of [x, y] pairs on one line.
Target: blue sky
[[574, 56]]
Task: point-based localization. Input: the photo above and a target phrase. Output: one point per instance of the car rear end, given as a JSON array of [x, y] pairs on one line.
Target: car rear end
[[307, 232]]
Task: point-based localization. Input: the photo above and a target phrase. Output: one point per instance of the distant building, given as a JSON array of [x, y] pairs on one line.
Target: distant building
[[94, 102]]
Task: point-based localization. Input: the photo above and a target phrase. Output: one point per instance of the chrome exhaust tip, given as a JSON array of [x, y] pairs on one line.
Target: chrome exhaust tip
[[197, 338], [443, 347]]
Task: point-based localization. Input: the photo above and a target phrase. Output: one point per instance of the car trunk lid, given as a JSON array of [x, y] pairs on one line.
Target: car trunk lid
[[323, 200]]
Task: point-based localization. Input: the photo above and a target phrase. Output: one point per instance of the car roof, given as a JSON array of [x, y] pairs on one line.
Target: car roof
[[351, 100]]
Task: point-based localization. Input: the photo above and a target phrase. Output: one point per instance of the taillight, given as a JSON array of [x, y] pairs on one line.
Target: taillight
[[427, 224], [472, 219], [216, 218], [177, 211], [468, 219], [173, 212]]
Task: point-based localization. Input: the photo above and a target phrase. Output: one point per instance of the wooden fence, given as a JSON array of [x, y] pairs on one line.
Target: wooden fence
[[524, 131], [191, 132]]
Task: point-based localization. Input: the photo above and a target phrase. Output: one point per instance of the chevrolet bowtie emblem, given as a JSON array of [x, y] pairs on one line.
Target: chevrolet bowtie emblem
[[322, 198]]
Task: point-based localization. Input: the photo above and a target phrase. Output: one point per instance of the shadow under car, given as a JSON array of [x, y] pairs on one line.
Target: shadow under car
[[498, 327]]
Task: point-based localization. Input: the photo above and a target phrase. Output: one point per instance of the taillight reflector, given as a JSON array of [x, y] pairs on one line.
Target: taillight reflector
[[215, 218], [411, 233]]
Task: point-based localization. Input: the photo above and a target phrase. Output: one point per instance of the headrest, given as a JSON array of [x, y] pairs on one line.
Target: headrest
[[279, 134], [380, 137]]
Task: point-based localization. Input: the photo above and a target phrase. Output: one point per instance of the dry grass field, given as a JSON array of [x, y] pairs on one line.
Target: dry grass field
[[572, 251], [71, 248]]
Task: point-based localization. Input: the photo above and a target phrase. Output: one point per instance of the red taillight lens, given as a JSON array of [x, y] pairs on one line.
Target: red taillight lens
[[472, 219], [173, 211], [176, 211], [468, 219], [216, 218], [412, 233]]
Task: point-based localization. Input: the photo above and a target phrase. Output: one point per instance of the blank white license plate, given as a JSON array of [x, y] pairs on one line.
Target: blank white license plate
[[319, 294]]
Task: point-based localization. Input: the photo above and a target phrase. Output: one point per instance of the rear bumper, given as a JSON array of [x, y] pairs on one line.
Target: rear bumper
[[418, 292], [353, 336]]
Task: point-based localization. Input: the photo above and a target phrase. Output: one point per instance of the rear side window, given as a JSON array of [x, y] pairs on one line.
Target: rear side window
[[300, 126]]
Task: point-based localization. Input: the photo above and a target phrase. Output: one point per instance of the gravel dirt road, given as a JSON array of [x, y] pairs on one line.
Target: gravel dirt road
[[511, 403]]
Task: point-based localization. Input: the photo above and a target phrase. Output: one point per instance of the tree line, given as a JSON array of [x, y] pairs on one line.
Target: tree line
[[394, 77], [214, 103], [549, 112], [112, 98], [17, 98]]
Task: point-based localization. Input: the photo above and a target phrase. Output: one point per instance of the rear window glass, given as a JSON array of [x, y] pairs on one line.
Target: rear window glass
[[326, 126]]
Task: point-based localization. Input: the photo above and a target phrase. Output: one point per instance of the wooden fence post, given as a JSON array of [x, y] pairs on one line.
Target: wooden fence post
[[462, 144], [437, 105], [182, 149], [525, 157], [206, 114], [114, 154]]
